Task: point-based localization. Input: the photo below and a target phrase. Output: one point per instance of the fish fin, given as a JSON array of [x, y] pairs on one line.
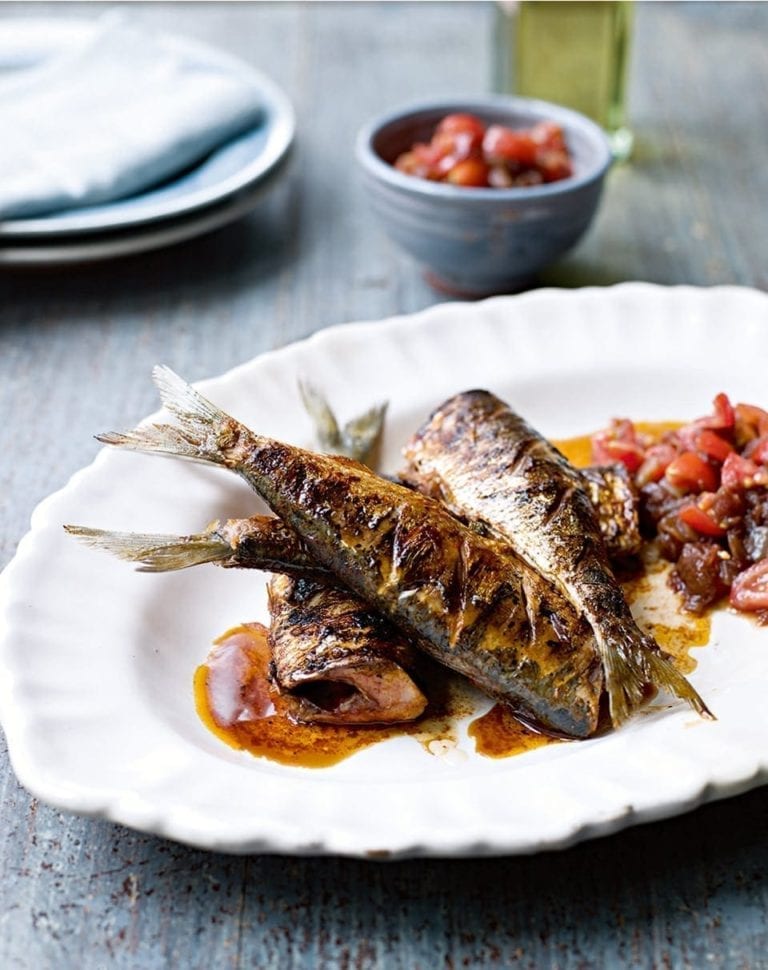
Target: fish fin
[[156, 553], [625, 682], [201, 431], [361, 435], [184, 402], [666, 675], [631, 665], [160, 439], [323, 418]]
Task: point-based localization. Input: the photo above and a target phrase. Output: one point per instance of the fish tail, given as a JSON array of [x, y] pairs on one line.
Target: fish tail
[[666, 675], [358, 438], [324, 420], [632, 664], [156, 553], [625, 681], [203, 434], [362, 434]]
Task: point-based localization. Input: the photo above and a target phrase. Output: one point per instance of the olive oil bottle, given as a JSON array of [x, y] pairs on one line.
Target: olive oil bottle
[[574, 53]]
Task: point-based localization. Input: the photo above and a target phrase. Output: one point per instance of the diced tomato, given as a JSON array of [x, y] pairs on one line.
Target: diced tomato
[[422, 160], [631, 456], [689, 472], [464, 123], [751, 422], [738, 472], [548, 135], [757, 450], [618, 442], [710, 443], [749, 591], [655, 463], [410, 164], [699, 519], [502, 144], [720, 422], [620, 429], [724, 416], [554, 165], [513, 157], [450, 149], [705, 488], [469, 172]]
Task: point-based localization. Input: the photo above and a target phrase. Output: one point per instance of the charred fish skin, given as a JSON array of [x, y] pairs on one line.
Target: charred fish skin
[[616, 501], [489, 465], [468, 600], [338, 661]]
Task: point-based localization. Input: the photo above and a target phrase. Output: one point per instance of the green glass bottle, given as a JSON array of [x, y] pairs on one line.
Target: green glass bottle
[[574, 53]]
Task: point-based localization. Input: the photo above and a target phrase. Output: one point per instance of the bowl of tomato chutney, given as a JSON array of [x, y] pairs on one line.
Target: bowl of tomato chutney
[[486, 191]]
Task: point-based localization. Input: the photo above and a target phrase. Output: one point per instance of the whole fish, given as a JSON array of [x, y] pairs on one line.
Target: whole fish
[[335, 660], [489, 466], [465, 599]]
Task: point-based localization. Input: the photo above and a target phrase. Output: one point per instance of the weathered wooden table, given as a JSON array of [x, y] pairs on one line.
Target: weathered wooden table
[[76, 348]]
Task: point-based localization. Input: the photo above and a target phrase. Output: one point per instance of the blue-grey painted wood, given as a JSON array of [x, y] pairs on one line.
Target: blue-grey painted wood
[[76, 347]]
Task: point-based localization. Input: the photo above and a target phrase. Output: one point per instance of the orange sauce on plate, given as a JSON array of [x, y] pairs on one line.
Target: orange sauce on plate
[[237, 701]]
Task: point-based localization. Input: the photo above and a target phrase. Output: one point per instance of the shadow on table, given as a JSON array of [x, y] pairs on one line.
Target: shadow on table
[[252, 248], [574, 272]]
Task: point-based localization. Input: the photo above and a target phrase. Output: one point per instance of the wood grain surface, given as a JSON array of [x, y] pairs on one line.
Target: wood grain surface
[[76, 347]]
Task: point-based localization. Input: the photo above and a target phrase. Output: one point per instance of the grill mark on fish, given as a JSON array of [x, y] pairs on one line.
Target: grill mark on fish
[[519, 455], [563, 499], [530, 611], [470, 450], [458, 610], [552, 682]]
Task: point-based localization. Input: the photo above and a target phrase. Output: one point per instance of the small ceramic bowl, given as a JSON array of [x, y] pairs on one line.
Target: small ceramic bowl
[[478, 241]]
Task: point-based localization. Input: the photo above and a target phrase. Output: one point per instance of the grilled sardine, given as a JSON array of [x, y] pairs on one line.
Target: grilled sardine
[[489, 466], [337, 661], [467, 600]]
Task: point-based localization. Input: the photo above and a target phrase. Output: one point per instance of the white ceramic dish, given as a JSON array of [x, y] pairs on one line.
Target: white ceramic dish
[[211, 192], [97, 659]]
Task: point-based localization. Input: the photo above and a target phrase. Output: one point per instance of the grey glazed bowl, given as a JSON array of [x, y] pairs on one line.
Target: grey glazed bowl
[[478, 241]]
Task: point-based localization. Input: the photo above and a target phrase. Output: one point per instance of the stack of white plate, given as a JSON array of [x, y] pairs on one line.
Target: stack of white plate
[[220, 188]]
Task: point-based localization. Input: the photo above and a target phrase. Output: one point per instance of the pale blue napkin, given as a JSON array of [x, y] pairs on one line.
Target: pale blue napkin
[[117, 114]]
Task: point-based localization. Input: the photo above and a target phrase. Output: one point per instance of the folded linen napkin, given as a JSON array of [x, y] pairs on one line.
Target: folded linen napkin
[[117, 114]]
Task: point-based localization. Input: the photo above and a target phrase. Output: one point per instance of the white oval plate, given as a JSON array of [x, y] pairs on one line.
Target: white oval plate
[[96, 696]]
